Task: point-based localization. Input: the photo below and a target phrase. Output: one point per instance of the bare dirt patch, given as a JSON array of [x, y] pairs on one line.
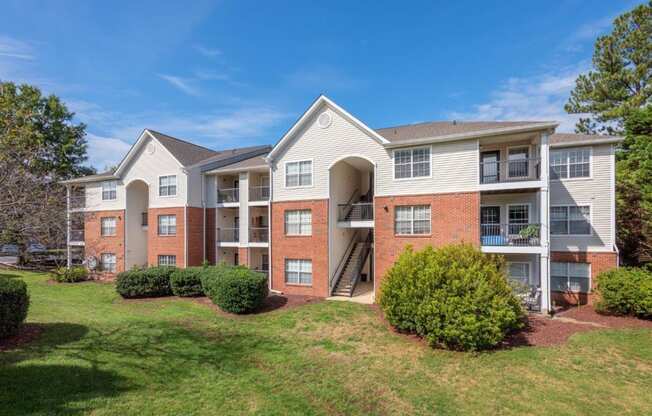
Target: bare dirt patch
[[588, 314], [26, 334], [272, 302]]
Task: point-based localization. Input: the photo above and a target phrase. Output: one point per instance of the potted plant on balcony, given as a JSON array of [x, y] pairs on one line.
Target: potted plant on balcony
[[530, 234]]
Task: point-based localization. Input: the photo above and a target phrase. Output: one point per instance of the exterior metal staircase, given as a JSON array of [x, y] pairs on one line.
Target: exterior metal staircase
[[350, 271]]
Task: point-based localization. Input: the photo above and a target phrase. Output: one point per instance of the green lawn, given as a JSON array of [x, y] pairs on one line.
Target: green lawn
[[101, 355]]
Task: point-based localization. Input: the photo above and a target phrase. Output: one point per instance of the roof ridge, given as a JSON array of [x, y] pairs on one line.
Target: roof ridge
[[182, 141], [457, 121]]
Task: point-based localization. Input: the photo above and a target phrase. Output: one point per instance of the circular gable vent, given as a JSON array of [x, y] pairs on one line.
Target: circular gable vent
[[151, 148], [324, 120]]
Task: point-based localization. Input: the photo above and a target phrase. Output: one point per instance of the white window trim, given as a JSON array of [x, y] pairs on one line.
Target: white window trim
[[114, 263], [158, 185], [412, 234], [529, 156], [158, 226], [285, 222], [158, 260], [411, 178], [285, 272], [591, 234], [530, 270], [312, 174], [115, 229], [567, 164], [102, 190], [567, 276], [529, 214]]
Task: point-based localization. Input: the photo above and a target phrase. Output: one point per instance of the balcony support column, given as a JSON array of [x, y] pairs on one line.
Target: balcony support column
[[68, 248], [544, 198]]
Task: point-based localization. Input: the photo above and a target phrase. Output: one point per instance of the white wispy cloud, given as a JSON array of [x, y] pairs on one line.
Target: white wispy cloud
[[14, 48], [104, 152], [185, 85], [208, 52], [539, 97]]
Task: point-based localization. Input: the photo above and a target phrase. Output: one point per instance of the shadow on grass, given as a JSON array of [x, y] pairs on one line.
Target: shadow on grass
[[9, 275], [55, 389]]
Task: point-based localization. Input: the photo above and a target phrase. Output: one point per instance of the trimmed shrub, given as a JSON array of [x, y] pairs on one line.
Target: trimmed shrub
[[187, 282], [455, 297], [70, 275], [14, 302], [625, 291], [145, 283], [235, 289]]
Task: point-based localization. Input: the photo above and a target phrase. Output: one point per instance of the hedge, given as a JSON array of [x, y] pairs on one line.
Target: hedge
[[70, 275], [455, 297], [14, 302], [235, 289], [145, 283], [187, 282], [625, 291]]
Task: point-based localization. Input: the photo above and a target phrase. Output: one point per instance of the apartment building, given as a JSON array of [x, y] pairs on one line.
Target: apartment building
[[330, 207]]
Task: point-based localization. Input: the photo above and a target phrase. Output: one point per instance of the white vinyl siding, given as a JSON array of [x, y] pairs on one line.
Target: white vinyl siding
[[167, 185], [298, 174], [570, 163], [298, 222], [167, 260], [108, 262], [108, 226], [298, 272], [167, 225], [109, 190], [412, 220], [412, 163], [570, 220], [570, 277]]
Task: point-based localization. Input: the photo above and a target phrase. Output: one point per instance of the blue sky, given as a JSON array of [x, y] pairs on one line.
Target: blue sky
[[234, 73]]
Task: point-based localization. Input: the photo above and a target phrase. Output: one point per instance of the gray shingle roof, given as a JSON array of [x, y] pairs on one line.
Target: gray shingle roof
[[559, 139], [185, 152], [435, 129], [252, 162]]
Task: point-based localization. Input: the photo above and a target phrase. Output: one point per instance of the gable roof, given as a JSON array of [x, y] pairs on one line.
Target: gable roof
[[255, 162], [185, 152], [322, 99], [435, 129], [572, 139]]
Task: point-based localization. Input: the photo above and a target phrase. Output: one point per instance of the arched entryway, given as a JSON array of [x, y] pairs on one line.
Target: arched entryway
[[351, 204], [136, 224]]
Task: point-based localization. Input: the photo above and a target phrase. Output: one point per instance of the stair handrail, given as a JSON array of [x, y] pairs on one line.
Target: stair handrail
[[359, 264], [332, 282], [348, 206]]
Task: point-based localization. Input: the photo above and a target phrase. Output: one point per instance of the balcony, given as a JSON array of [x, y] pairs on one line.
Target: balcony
[[76, 237], [510, 235], [228, 235], [506, 171], [228, 195], [259, 234], [77, 202], [359, 211], [259, 193]]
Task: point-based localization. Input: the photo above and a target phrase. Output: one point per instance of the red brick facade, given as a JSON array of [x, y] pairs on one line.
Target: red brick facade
[[165, 244], [243, 256], [195, 236], [454, 218], [313, 247], [599, 262], [211, 249], [96, 244]]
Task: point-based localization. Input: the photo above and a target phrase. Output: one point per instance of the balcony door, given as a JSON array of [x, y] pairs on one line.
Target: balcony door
[[490, 167], [517, 165], [519, 218], [490, 220]]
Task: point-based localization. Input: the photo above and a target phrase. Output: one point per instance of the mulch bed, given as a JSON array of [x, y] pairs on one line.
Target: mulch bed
[[588, 314], [26, 334], [272, 302]]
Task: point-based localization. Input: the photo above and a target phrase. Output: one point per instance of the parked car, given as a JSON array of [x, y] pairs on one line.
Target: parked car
[[9, 250], [35, 248]]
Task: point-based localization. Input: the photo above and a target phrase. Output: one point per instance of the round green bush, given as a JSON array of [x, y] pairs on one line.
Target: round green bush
[[14, 302], [625, 291], [70, 275], [145, 283], [187, 282], [455, 297], [235, 289]]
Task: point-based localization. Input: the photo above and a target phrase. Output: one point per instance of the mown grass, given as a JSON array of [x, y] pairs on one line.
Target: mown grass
[[102, 355]]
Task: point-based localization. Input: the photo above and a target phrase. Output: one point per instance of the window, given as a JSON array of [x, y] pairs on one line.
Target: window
[[519, 272], [570, 220], [298, 272], [412, 163], [109, 190], [167, 185], [517, 166], [107, 226], [573, 277], [167, 224], [410, 220], [107, 262], [167, 260], [518, 218], [298, 173], [298, 222], [570, 163]]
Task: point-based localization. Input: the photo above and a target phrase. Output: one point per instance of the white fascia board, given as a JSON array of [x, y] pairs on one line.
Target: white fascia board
[[322, 99], [132, 152], [591, 142], [476, 134]]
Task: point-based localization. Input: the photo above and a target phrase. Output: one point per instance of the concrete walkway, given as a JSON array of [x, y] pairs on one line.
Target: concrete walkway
[[363, 293]]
